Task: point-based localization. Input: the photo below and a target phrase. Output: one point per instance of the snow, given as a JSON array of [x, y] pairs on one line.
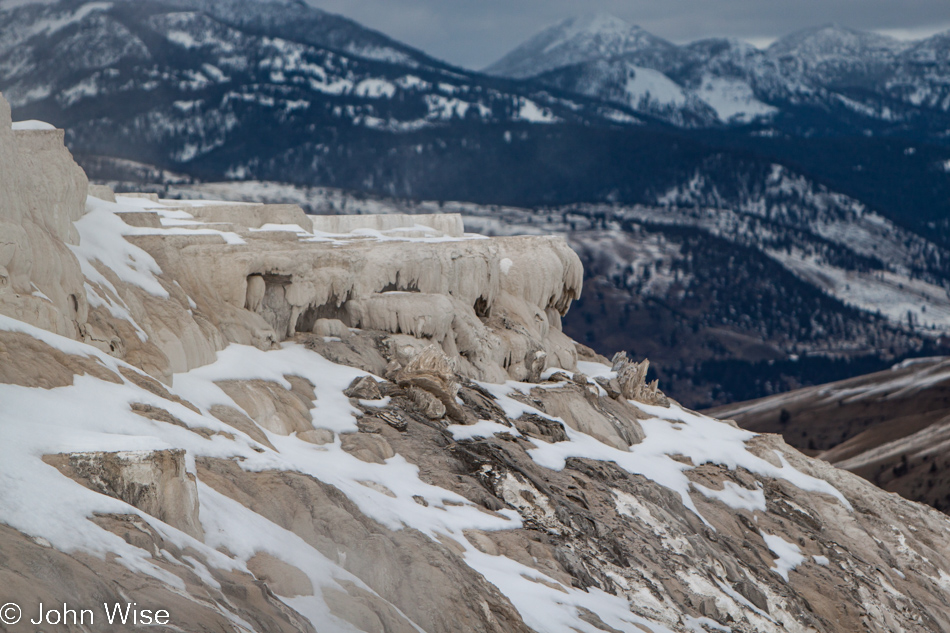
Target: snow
[[533, 113], [408, 82], [739, 598], [245, 533], [648, 85], [735, 496], [95, 415], [90, 414], [824, 562], [32, 125], [671, 431], [181, 38], [912, 362], [282, 228], [214, 73], [894, 295], [621, 117], [704, 625], [596, 370], [573, 41], [482, 428], [57, 24], [550, 606], [61, 343], [789, 555], [732, 99], [101, 238], [375, 89], [600, 25], [446, 108], [88, 87]]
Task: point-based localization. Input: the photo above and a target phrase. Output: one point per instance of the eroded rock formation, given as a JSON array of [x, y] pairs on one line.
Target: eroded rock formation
[[260, 420]]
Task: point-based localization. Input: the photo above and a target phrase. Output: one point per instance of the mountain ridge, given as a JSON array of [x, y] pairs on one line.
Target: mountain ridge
[[829, 66]]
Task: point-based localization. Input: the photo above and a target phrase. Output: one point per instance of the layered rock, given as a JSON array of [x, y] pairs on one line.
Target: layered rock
[[155, 482]]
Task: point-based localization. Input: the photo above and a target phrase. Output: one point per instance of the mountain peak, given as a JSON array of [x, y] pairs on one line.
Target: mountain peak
[[575, 40], [834, 40], [594, 23]]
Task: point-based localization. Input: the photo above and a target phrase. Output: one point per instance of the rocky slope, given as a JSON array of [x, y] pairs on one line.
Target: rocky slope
[[889, 427], [260, 420]]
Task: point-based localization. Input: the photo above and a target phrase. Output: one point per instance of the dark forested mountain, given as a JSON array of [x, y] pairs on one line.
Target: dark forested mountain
[[244, 88], [279, 90]]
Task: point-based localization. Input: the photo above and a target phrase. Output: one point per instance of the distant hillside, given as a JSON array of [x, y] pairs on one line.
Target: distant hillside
[[891, 427]]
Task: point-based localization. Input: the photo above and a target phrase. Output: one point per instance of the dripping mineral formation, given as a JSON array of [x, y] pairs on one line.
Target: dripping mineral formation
[[261, 420]]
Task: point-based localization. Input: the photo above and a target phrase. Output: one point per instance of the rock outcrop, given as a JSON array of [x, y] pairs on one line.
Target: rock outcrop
[[44, 193], [155, 482], [259, 420]]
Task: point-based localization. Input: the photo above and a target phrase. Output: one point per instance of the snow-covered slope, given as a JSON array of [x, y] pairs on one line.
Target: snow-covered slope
[[842, 72], [837, 54], [419, 448]]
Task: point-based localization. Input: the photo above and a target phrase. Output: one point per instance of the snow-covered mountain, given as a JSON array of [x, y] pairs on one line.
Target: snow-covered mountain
[[836, 53], [296, 19], [848, 76], [578, 40], [189, 91]]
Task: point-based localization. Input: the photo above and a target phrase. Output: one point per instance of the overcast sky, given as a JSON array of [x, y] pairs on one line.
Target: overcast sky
[[475, 33]]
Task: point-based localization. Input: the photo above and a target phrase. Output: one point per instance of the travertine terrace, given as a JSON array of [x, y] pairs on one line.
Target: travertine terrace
[[260, 420]]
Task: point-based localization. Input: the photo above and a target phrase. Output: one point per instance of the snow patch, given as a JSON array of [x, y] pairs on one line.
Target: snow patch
[[645, 85], [32, 124], [733, 100], [789, 555], [482, 428], [735, 496], [533, 113]]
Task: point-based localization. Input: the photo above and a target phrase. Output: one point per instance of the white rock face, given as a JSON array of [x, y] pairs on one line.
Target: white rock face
[[44, 193]]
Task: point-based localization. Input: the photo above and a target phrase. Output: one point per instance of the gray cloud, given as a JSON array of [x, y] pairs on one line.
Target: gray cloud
[[474, 33]]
